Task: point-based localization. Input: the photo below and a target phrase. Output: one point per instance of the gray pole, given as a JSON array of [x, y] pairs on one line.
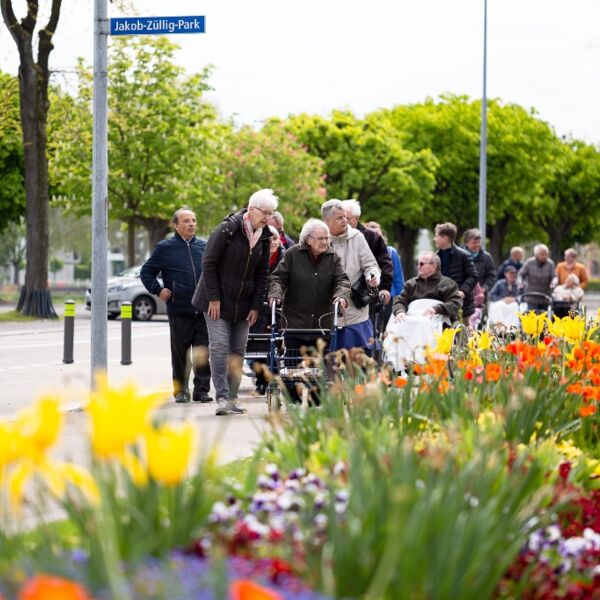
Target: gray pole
[[100, 191], [483, 148]]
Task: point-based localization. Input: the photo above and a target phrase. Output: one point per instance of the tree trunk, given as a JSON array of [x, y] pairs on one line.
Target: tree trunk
[[35, 297], [157, 230], [16, 271], [406, 237], [131, 242], [497, 236]]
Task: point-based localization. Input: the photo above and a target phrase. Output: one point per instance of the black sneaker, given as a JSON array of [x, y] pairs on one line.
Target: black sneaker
[[182, 397], [201, 397]]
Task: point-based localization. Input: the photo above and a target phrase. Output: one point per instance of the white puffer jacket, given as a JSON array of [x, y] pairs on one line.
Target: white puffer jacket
[[357, 259]]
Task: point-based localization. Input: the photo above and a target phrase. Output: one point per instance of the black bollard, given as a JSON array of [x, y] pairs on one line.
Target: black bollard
[[69, 331], [126, 333]]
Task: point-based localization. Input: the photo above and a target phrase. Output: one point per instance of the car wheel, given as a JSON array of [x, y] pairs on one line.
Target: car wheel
[[143, 308], [112, 316]]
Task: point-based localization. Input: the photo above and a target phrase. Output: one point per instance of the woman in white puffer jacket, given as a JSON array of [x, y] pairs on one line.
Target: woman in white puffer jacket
[[357, 260]]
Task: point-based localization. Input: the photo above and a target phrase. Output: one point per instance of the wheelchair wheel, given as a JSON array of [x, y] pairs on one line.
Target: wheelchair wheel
[[273, 398]]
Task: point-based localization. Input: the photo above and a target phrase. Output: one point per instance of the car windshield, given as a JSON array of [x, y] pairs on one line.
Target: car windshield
[[132, 272]]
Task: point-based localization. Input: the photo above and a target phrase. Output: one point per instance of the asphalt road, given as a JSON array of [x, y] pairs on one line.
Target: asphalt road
[[31, 365]]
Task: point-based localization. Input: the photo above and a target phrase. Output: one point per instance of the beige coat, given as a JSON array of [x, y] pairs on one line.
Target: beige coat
[[357, 259]]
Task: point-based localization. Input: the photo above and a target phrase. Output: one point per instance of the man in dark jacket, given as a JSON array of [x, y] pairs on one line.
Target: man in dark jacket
[[484, 263], [179, 260], [432, 285], [515, 260], [232, 290], [457, 264], [376, 244]]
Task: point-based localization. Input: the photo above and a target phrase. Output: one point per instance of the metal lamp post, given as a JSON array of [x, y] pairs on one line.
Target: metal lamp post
[[483, 143]]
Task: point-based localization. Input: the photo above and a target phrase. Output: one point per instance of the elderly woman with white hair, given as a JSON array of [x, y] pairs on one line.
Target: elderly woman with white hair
[[567, 296], [360, 265], [307, 282], [231, 291], [309, 279], [536, 277]]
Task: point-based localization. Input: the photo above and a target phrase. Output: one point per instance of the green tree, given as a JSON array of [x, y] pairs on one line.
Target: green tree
[[366, 159], [163, 137], [55, 265], [12, 248], [570, 203], [12, 167], [272, 157], [34, 78], [518, 162]]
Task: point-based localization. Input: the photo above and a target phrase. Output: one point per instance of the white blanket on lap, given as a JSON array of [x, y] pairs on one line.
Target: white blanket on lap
[[405, 341], [505, 314]]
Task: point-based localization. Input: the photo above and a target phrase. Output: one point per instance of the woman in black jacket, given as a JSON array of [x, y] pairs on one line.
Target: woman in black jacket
[[231, 292], [307, 282]]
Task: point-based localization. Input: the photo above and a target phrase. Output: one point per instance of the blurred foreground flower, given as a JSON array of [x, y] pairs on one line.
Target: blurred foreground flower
[[169, 449], [47, 587]]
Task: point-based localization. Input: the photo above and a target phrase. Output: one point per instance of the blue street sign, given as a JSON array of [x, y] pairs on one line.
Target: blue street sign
[[156, 25]]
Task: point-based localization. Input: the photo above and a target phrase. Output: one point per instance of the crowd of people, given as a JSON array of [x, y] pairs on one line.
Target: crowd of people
[[220, 290]]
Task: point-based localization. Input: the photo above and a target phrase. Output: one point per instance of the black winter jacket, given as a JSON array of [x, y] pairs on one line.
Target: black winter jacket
[[486, 270], [180, 263], [379, 250], [231, 272], [436, 287], [308, 287], [460, 268]]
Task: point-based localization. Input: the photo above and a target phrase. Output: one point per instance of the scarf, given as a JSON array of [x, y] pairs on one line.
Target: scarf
[[252, 235]]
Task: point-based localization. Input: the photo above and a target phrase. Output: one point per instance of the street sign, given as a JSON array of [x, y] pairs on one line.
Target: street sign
[[156, 25]]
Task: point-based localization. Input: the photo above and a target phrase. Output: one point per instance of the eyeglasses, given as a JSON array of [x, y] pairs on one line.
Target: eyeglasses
[[422, 263], [267, 213], [320, 239]]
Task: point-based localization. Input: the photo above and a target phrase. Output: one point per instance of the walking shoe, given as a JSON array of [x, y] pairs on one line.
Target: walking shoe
[[236, 408], [182, 397], [203, 397], [222, 407]]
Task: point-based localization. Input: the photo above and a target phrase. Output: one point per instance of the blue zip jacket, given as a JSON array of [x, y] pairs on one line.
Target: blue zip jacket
[[398, 278], [180, 263]]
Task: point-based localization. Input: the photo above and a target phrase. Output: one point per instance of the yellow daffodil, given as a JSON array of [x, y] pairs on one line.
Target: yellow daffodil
[[591, 332], [168, 450], [119, 416], [445, 341], [532, 324]]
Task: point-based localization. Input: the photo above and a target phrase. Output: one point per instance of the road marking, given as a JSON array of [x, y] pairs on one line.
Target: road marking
[[86, 341]]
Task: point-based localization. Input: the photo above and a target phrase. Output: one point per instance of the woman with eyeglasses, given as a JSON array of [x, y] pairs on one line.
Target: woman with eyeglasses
[[306, 283]]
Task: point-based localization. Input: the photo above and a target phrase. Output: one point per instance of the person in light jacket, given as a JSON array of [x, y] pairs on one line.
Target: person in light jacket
[[357, 260]]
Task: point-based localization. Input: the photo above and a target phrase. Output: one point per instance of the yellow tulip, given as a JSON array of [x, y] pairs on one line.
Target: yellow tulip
[[37, 428], [445, 341], [574, 328], [119, 416], [556, 327], [532, 324], [134, 466], [169, 449], [17, 480]]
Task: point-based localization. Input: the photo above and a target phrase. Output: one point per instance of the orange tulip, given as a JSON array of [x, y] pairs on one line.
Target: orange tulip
[[48, 587], [244, 589], [587, 411]]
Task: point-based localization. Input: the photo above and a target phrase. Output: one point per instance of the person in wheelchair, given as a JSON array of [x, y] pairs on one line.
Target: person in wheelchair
[[503, 310], [566, 297], [307, 282], [426, 303]]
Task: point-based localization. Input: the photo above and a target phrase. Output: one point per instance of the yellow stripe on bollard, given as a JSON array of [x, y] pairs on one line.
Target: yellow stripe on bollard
[[69, 308], [126, 310]]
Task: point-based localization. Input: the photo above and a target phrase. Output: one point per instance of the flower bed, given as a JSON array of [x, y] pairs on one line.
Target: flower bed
[[477, 476]]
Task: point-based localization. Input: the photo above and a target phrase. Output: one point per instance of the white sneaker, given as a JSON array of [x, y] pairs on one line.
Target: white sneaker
[[222, 407], [236, 408]]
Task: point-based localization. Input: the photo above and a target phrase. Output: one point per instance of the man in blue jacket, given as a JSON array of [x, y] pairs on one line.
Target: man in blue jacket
[[179, 260]]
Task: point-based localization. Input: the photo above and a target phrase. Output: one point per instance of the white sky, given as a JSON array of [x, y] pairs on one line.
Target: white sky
[[276, 57]]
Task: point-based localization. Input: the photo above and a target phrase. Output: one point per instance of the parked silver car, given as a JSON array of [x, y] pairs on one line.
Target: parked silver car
[[128, 287]]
